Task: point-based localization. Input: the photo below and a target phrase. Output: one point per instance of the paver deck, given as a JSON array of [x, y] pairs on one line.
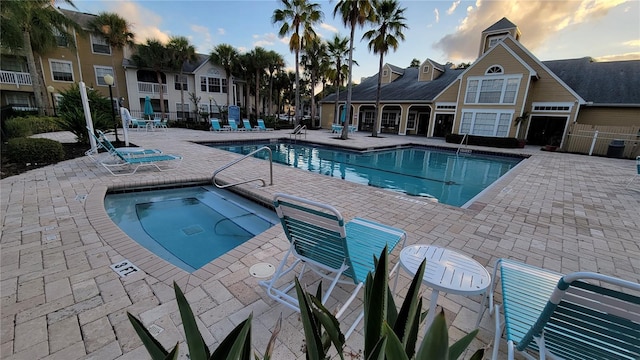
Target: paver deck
[[61, 300]]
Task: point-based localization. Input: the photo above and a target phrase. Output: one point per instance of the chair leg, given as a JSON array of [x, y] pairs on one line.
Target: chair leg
[[498, 333]]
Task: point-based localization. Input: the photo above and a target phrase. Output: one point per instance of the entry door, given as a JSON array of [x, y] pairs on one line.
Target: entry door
[[443, 125], [546, 130], [423, 123]]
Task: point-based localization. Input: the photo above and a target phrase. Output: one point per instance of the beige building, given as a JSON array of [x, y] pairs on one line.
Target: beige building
[[90, 60], [506, 93]]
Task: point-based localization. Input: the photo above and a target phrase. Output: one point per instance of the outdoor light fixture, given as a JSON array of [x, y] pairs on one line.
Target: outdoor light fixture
[[51, 90], [210, 99], [108, 79]]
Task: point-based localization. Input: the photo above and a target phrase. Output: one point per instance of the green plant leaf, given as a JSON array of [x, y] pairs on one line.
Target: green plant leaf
[[478, 355], [315, 350], [461, 345], [153, 346], [376, 298], [394, 349], [330, 324], [197, 348], [377, 353], [173, 355], [435, 344], [234, 346], [408, 311]]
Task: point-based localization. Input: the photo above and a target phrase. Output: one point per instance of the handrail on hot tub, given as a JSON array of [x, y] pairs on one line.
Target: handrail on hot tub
[[213, 177]]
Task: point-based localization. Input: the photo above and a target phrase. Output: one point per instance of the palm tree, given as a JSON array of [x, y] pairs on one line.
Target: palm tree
[[390, 20], [116, 30], [228, 58], [275, 62], [338, 50], [258, 59], [29, 27], [157, 57], [353, 13], [181, 51], [315, 54], [298, 18]]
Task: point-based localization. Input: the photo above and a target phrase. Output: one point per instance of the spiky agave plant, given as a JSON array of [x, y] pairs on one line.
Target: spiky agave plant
[[388, 333]]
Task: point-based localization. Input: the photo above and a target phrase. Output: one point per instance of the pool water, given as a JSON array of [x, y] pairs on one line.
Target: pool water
[[189, 227], [450, 178]]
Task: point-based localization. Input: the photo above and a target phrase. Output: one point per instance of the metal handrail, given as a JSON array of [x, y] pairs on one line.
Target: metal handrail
[[213, 177], [298, 131], [461, 141]]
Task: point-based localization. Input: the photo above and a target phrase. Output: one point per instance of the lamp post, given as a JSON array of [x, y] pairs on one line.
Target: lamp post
[[108, 79], [210, 99], [51, 90]]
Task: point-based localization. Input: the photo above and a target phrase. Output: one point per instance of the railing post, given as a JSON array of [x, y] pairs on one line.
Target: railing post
[[593, 142]]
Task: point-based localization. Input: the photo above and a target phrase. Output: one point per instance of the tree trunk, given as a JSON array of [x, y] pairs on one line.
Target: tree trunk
[[270, 109], [159, 76], [336, 119], [297, 89], [257, 99], [181, 95], [345, 129], [374, 132], [33, 72]]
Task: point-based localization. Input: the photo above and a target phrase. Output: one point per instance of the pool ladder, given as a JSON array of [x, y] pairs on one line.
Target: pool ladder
[[213, 177], [299, 131], [465, 143]]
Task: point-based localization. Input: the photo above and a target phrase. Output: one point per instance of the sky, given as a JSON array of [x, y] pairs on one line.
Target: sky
[[443, 31]]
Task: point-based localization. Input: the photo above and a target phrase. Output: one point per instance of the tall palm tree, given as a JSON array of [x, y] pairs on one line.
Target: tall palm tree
[[315, 54], [275, 63], [116, 30], [181, 51], [391, 21], [30, 27], [155, 56], [244, 71], [338, 49], [228, 58], [298, 18], [353, 13], [259, 62]]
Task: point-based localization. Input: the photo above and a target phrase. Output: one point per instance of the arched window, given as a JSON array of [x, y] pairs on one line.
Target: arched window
[[494, 69]]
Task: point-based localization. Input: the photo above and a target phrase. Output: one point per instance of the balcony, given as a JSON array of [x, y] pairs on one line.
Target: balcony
[[15, 78], [151, 88]]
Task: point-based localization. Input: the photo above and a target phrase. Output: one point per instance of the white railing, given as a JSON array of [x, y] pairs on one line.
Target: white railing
[[17, 78], [151, 88]]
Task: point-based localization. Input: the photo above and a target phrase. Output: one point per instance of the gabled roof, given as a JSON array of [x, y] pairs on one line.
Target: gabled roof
[[613, 82], [83, 19], [404, 88], [187, 68], [502, 24], [396, 69]]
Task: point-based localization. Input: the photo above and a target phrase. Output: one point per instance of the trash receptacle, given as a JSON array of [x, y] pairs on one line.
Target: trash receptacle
[[616, 149]]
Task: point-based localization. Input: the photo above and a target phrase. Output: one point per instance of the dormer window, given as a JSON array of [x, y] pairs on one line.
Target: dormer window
[[494, 40], [385, 72], [425, 69], [494, 69]]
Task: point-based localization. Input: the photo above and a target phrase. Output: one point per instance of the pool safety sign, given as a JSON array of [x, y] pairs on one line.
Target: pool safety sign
[[125, 268]]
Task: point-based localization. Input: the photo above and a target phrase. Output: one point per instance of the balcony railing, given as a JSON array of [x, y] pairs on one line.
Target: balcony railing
[[16, 78], [151, 88]]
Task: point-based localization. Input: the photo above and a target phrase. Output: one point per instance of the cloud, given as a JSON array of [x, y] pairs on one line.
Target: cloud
[[201, 38], [538, 21], [265, 40], [144, 22], [620, 57], [453, 7], [221, 31], [437, 13], [328, 27]]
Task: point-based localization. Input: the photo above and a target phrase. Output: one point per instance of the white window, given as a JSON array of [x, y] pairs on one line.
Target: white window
[[61, 70], [494, 40], [389, 119], [210, 84], [495, 69], [384, 72], [486, 123], [181, 83], [61, 39], [425, 69], [411, 121], [99, 45], [101, 71], [368, 117], [182, 111], [492, 90], [17, 99]]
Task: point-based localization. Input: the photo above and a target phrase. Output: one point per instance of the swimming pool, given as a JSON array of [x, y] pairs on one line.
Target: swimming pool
[[450, 178], [188, 227]]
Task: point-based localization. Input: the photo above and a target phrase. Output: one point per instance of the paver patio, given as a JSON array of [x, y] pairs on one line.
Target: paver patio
[[61, 300]]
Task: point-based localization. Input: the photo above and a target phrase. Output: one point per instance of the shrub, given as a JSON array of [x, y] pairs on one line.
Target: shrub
[[71, 113], [34, 151], [29, 125]]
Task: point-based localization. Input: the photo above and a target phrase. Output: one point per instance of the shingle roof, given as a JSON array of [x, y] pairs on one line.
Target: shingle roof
[[612, 82], [83, 19], [406, 87], [187, 67], [502, 24]]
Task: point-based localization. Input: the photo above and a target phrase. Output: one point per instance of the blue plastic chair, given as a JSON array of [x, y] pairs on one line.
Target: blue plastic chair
[[575, 316], [321, 241], [234, 126], [215, 125], [247, 125], [262, 126]]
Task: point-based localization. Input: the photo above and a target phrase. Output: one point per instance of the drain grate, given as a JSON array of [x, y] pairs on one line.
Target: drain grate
[[155, 330], [81, 198], [192, 230], [262, 270]]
